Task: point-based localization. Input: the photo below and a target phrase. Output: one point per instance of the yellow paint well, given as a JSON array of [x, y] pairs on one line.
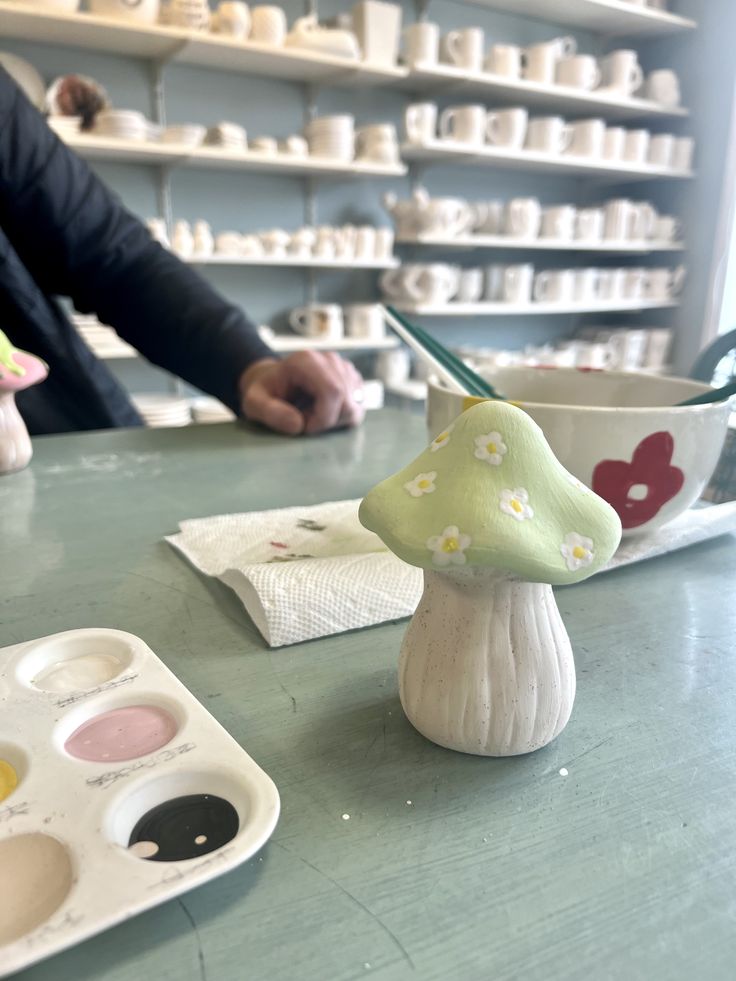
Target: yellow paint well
[[8, 779]]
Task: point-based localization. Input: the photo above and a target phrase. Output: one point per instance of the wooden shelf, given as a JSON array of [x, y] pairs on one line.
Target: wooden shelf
[[285, 343], [212, 158], [449, 80], [538, 244], [614, 17], [447, 151], [94, 33], [290, 262], [528, 309]]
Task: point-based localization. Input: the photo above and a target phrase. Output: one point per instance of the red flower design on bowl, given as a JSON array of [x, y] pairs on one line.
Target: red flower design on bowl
[[638, 489]]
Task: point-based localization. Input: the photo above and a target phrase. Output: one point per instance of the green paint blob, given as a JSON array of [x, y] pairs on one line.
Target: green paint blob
[[6, 357]]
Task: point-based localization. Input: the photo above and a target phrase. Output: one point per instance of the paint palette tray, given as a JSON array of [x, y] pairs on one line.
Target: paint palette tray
[[118, 791]]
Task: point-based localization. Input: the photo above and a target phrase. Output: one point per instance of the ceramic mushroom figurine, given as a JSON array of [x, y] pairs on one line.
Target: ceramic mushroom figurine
[[18, 370], [495, 520]]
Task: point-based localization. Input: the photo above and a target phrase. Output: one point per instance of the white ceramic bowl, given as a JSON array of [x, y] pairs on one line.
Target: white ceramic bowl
[[619, 433], [142, 12]]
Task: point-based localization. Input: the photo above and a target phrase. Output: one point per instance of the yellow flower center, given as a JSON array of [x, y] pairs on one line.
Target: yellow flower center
[[491, 447], [579, 552], [516, 505], [423, 484], [450, 545]]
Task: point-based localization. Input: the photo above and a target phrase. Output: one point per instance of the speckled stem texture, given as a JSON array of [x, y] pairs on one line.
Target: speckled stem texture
[[15, 443], [486, 665]]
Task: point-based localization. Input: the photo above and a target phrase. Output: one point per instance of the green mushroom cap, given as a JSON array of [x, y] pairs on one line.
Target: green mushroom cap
[[489, 491]]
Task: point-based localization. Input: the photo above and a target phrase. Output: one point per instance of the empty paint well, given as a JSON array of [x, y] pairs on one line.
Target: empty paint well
[[76, 662], [35, 879], [122, 734]]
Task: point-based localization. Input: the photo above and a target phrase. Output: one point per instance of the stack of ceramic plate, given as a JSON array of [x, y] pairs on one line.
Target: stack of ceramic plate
[[103, 341], [206, 409], [333, 137], [231, 136], [123, 124], [163, 411], [188, 134], [65, 127]]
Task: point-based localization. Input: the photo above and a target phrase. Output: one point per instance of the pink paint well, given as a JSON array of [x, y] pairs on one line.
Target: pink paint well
[[122, 734]]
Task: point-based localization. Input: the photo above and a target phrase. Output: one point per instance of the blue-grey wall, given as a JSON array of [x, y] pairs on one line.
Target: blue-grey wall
[[253, 201]]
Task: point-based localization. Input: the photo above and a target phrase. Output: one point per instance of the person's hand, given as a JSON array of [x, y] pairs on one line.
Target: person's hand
[[308, 392]]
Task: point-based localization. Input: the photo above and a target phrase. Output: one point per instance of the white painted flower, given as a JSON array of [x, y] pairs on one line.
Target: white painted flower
[[577, 551], [423, 483], [449, 547], [442, 440], [491, 448], [516, 503]]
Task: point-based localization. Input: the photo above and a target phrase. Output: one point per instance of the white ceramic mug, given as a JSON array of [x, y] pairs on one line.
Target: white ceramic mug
[[579, 72], [465, 48], [378, 144], [661, 150], [232, 18], [658, 341], [504, 59], [377, 26], [589, 223], [636, 146], [446, 216], [661, 284], [421, 44], [384, 244], [268, 25], [611, 284], [554, 286], [487, 217], [463, 124], [364, 321], [507, 128], [420, 123], [619, 215], [548, 134], [539, 61], [318, 320], [365, 242], [663, 86], [517, 283], [470, 286], [558, 222], [667, 228], [614, 143], [295, 146], [275, 242], [302, 242], [634, 283], [586, 284], [523, 217], [493, 282], [682, 155], [433, 283], [621, 70], [587, 138]]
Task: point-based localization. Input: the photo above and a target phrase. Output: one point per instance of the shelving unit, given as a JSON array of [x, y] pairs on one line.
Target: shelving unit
[[291, 262], [528, 309], [497, 242], [285, 344], [448, 80], [447, 151], [620, 18]]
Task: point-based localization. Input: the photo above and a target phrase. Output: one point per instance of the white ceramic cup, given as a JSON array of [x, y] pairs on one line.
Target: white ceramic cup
[[322, 320], [633, 288], [465, 48], [377, 26], [232, 18], [295, 146], [470, 286], [264, 144], [554, 286], [487, 217], [420, 123], [275, 242], [661, 150], [228, 243], [505, 60], [302, 242], [517, 283], [507, 128], [636, 146], [619, 214], [682, 154], [268, 25], [393, 367], [464, 124], [493, 282], [662, 284], [589, 223], [621, 70], [667, 228], [432, 283], [548, 134], [611, 285], [559, 222], [364, 321], [365, 242], [658, 341], [384, 244], [421, 44], [663, 86], [587, 138], [586, 284], [377, 143], [643, 219], [614, 143], [579, 72], [539, 61], [523, 217]]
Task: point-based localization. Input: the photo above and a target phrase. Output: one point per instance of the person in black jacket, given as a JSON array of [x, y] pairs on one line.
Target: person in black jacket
[[63, 233]]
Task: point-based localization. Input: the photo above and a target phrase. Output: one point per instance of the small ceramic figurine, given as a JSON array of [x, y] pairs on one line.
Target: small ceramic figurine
[[493, 518], [18, 370]]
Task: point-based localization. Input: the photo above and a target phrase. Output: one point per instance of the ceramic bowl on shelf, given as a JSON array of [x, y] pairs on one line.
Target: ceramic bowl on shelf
[[187, 134], [620, 433], [142, 11]]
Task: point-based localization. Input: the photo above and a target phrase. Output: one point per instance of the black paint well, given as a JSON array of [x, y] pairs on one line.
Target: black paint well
[[186, 827]]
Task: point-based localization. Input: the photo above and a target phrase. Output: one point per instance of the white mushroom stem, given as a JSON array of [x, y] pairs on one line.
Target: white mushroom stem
[[15, 443], [486, 665]]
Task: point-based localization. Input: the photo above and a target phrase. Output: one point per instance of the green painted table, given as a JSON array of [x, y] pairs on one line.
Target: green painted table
[[450, 866]]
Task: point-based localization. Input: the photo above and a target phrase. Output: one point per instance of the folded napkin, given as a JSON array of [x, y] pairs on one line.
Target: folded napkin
[[308, 572]]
